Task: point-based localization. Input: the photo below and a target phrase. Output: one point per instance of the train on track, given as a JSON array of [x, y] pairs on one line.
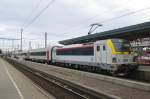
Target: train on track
[[111, 55]]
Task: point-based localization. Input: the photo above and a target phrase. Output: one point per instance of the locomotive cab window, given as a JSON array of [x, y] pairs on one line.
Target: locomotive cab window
[[104, 48], [98, 48], [121, 45]]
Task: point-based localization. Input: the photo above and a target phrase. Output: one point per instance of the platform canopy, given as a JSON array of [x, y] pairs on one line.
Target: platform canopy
[[130, 33]]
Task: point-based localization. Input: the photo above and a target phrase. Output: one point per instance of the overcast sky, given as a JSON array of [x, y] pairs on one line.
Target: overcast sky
[[65, 18]]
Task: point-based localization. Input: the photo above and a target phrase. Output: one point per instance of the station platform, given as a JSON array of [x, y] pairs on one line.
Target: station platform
[[15, 85], [92, 81]]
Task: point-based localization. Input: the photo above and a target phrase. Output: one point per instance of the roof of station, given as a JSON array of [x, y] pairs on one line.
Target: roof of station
[[130, 33]]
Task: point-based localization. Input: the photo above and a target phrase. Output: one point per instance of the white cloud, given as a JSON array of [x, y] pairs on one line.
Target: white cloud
[[67, 18]]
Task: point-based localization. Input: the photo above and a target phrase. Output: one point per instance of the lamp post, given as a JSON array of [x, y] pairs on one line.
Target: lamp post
[[45, 39], [21, 40]]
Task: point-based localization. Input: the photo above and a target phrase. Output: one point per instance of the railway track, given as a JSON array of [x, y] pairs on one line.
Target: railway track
[[131, 76], [55, 87]]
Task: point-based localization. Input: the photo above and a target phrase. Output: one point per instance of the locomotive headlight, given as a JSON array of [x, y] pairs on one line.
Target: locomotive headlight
[[114, 60]]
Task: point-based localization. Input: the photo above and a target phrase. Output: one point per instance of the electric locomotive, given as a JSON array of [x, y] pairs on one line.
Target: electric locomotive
[[112, 55]]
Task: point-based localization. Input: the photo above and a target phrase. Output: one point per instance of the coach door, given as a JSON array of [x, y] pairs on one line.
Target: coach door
[[100, 54], [103, 54], [48, 56]]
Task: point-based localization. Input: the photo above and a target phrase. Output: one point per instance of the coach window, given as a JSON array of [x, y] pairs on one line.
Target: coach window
[[98, 48], [104, 48]]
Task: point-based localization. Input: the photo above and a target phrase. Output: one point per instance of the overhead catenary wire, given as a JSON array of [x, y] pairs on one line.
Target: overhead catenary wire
[[31, 14], [92, 18], [111, 19], [105, 12], [127, 14], [114, 18], [34, 18], [38, 15]]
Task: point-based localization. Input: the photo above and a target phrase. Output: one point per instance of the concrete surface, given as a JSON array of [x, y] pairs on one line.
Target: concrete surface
[[15, 85], [91, 81]]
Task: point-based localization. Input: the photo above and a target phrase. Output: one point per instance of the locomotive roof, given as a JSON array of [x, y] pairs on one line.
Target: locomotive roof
[[130, 33]]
